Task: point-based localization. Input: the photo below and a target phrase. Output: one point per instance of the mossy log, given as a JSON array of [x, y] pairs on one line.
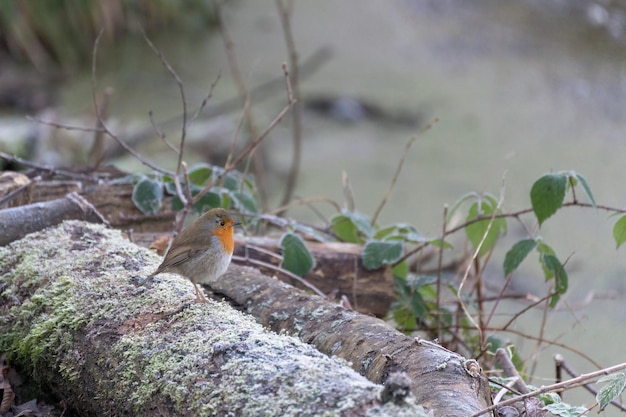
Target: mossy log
[[73, 319]]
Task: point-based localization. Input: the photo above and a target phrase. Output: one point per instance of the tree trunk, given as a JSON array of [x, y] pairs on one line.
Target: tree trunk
[[72, 317]]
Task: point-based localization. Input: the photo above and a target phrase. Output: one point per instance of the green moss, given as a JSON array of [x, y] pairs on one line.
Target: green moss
[[164, 348]]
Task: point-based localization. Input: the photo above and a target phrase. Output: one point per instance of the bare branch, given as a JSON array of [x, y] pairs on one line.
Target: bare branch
[[285, 12], [244, 94], [181, 89], [556, 387], [103, 124], [407, 147], [52, 170], [246, 151]]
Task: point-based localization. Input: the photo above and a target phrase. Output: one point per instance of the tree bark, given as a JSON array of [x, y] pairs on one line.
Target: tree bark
[[71, 316], [339, 269], [17, 222], [443, 381]]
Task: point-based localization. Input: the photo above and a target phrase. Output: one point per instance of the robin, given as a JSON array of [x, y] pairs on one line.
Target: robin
[[202, 251]]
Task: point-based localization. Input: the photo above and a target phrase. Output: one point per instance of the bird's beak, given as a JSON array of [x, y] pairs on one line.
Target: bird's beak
[[236, 224]]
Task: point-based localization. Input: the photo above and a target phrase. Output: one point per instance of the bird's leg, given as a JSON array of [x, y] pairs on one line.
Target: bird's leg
[[148, 278], [199, 296]]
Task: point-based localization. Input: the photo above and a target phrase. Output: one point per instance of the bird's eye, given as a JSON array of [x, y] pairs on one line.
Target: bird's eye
[[222, 223]]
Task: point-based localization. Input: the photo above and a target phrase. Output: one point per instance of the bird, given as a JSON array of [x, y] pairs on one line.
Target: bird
[[202, 251]]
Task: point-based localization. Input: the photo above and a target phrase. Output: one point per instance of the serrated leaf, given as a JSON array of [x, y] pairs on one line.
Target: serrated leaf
[[148, 195], [565, 410], [477, 230], [296, 256], [613, 389], [517, 254], [547, 194], [377, 253], [554, 269], [586, 187], [619, 231]]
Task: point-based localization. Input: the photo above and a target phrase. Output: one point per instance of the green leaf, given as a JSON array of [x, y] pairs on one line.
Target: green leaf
[[517, 254], [351, 226], [477, 230], [377, 253], [619, 231], [401, 270], [232, 181], [148, 195], [344, 229], [404, 317], [613, 389], [565, 410], [200, 174], [547, 194], [208, 201], [554, 269], [437, 243], [296, 256], [465, 197], [400, 231], [244, 201], [586, 187]]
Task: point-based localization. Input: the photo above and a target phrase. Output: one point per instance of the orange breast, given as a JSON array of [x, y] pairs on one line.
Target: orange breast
[[225, 236]]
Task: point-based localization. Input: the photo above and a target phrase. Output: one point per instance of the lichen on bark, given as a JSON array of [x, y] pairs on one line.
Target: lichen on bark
[[73, 318]]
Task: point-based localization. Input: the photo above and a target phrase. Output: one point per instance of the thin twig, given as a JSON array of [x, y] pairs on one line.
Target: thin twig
[[259, 169], [160, 133], [96, 153], [247, 150], [206, 98], [101, 121], [555, 387], [292, 179], [560, 361], [282, 271], [407, 147], [469, 266], [63, 126], [183, 134], [440, 272], [52, 170], [546, 341], [307, 201]]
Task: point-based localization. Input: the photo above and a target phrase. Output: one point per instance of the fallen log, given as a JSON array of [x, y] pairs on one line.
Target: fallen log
[[339, 269], [442, 380], [72, 318], [17, 222]]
